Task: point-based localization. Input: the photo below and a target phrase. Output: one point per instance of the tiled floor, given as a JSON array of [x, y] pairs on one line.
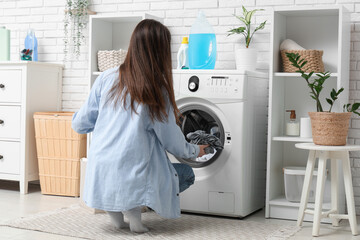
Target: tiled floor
[[14, 205]]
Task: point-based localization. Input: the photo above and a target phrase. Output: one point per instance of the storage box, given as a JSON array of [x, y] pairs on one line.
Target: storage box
[[59, 150], [294, 181]]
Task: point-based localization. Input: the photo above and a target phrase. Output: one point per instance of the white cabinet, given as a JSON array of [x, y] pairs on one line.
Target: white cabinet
[[320, 28], [25, 88]]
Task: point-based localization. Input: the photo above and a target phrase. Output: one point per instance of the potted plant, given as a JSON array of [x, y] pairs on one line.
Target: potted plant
[[75, 21], [328, 128], [246, 57]]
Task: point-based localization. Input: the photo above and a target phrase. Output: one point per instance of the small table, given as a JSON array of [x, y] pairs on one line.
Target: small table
[[323, 153]]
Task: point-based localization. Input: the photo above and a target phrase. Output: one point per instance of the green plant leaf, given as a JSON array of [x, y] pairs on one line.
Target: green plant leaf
[[329, 101], [243, 20], [244, 10], [340, 90], [355, 107], [333, 94], [236, 30], [303, 64], [357, 113], [261, 26]]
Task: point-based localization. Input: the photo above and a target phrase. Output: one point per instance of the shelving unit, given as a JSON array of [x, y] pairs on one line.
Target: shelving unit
[[321, 28], [110, 32]]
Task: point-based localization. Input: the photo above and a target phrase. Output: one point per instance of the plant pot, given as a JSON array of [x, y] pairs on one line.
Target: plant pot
[[246, 59], [330, 129]]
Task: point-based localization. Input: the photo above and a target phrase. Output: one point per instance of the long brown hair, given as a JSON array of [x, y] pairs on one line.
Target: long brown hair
[[146, 72]]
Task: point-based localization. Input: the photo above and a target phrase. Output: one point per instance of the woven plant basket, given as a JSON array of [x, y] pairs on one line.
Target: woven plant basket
[[110, 59], [59, 149], [330, 129], [313, 58]]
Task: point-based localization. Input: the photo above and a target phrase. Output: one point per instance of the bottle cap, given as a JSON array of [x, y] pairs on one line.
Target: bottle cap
[[292, 114], [185, 40], [30, 31]]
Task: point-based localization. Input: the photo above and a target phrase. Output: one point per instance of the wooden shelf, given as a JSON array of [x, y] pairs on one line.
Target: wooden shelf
[[286, 74], [291, 139]]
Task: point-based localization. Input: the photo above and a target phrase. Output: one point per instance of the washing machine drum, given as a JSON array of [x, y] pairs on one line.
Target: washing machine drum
[[199, 117]]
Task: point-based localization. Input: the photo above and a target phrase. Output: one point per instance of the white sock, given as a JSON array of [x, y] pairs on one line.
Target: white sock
[[134, 216], [117, 219]]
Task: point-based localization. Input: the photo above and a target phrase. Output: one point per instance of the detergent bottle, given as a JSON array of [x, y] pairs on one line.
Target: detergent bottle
[[182, 55], [202, 44], [32, 44]]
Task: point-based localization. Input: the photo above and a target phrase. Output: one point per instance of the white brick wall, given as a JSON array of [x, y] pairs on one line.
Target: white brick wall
[[46, 17]]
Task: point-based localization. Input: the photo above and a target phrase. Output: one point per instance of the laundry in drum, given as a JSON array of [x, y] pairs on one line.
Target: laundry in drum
[[200, 137]]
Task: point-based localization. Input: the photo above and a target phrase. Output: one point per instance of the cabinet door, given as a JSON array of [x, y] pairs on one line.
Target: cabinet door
[[10, 122], [10, 157], [10, 86]]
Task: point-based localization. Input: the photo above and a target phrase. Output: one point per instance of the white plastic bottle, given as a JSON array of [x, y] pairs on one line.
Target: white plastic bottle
[[182, 55], [292, 126]]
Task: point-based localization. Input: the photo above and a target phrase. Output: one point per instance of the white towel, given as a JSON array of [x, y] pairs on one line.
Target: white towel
[[289, 44], [206, 157]]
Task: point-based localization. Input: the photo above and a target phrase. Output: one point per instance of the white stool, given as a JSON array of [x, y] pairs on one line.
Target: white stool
[[324, 153]]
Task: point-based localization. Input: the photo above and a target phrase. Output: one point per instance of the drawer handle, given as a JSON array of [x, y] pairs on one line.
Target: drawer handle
[[2, 86], [1, 157], [1, 121]]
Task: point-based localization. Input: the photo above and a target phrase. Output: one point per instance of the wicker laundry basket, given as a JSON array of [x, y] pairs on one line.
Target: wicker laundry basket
[[313, 58], [110, 59], [59, 150]]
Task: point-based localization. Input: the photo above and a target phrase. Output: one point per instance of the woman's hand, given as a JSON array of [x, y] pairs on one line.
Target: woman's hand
[[202, 150]]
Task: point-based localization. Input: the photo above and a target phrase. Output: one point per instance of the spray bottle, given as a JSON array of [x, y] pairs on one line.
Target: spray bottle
[[32, 44]]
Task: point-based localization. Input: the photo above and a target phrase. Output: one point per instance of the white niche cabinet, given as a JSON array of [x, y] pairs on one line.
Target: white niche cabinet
[[111, 33], [320, 28], [25, 88]]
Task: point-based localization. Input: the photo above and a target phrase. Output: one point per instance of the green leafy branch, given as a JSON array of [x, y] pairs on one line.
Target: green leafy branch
[[352, 108], [316, 86], [246, 31]]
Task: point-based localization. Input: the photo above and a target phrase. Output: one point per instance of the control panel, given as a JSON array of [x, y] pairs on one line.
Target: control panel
[[231, 86]]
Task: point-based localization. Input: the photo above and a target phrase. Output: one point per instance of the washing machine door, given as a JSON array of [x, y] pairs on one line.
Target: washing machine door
[[200, 117]]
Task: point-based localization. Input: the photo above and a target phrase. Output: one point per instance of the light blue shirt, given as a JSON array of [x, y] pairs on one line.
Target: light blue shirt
[[127, 161]]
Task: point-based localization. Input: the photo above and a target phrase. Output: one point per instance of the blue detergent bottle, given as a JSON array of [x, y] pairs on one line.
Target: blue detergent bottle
[[31, 43], [202, 44]]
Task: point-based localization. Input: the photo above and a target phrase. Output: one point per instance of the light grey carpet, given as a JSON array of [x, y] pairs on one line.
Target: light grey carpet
[[78, 222]]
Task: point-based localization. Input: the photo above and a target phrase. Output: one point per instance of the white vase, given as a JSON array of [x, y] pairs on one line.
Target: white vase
[[246, 59]]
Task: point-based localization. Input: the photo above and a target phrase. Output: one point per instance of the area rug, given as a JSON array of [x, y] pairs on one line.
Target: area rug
[[76, 221]]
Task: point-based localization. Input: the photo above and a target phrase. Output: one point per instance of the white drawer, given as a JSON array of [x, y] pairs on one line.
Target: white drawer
[[10, 86], [10, 122], [10, 157]]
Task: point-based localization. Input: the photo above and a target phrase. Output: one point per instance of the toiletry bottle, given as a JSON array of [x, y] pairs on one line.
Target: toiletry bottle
[[4, 44], [292, 127], [182, 55], [31, 43]]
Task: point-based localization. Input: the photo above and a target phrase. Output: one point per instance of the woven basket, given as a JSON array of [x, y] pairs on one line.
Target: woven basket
[[110, 59], [59, 149], [330, 129], [313, 58]]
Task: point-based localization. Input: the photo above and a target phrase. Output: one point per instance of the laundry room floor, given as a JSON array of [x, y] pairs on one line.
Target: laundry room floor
[[14, 205]]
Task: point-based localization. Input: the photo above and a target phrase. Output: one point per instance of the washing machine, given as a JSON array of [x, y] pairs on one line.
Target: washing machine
[[231, 105]]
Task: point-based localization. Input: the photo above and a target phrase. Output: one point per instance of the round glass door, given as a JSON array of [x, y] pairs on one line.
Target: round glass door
[[198, 117]]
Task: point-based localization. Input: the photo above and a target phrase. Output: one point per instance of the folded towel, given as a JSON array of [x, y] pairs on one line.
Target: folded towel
[[289, 44]]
